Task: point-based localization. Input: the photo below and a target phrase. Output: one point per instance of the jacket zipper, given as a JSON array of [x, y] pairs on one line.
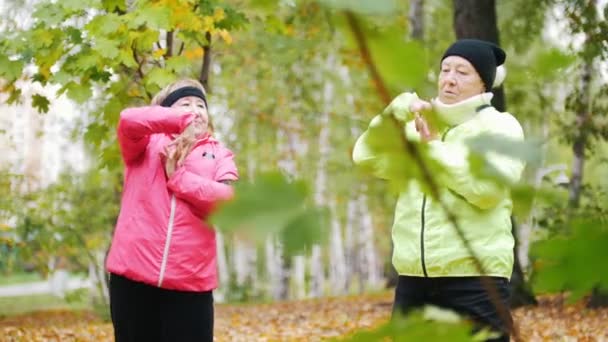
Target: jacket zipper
[[163, 265], [422, 237], [422, 220]]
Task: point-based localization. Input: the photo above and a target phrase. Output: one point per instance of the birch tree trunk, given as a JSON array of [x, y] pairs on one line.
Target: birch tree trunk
[[350, 237], [222, 266], [578, 147], [276, 271], [299, 276], [369, 261], [337, 269]]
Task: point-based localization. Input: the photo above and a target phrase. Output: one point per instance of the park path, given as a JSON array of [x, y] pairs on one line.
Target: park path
[[56, 285]]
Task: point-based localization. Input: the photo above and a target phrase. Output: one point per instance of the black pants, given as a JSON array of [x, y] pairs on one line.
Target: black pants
[[465, 295], [144, 313]]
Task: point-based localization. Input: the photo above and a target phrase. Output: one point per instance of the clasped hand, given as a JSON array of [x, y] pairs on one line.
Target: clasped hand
[[180, 147], [419, 107]]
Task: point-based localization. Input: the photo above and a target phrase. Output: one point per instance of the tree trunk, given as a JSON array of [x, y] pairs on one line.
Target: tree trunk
[[222, 266], [578, 147], [298, 278], [204, 76], [369, 260], [416, 19], [337, 273], [521, 292], [274, 267], [477, 19], [350, 252], [317, 277]]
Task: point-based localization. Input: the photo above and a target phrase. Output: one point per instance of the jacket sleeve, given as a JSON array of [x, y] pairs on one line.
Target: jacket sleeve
[[226, 169], [457, 176], [201, 192], [379, 150], [137, 124]]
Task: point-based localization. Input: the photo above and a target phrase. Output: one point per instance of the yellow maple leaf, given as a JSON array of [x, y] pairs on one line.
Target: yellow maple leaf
[[218, 14], [225, 35], [159, 53]]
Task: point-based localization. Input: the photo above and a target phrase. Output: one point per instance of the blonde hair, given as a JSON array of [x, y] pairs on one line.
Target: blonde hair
[[185, 82]]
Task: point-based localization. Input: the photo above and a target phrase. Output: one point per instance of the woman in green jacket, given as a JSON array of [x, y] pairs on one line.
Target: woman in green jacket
[[434, 265]]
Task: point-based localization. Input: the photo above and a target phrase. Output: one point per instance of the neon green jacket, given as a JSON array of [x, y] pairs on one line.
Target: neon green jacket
[[425, 243]]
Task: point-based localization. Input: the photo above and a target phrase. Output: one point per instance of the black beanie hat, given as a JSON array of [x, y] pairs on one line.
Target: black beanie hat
[[484, 56]]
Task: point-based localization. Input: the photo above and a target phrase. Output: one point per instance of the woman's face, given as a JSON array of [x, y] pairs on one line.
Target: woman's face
[[458, 80], [194, 105]]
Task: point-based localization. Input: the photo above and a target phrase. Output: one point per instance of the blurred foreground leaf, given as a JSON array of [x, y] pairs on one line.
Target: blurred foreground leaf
[[574, 261], [377, 7], [431, 324], [273, 204]]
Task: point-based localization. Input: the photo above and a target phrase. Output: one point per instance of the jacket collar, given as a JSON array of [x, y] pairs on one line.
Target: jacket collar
[[457, 113]]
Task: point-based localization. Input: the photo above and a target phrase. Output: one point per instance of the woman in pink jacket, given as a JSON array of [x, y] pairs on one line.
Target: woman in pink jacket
[[163, 255]]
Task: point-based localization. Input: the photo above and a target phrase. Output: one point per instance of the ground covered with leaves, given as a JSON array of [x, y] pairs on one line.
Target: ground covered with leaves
[[311, 320]]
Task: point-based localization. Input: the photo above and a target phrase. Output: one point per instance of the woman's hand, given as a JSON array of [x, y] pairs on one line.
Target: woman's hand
[[178, 149], [427, 133], [420, 106]]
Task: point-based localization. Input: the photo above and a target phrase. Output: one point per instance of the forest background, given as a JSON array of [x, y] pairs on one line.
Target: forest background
[[291, 85]]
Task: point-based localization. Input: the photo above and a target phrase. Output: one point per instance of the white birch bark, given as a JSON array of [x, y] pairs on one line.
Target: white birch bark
[[369, 259], [298, 279], [222, 266], [350, 237]]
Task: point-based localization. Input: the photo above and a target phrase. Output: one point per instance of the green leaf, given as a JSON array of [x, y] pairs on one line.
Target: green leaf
[[126, 58], [40, 102], [49, 14], [306, 229], [159, 77], [78, 5], [104, 25], [77, 92], [573, 262], [10, 70], [107, 48], [265, 4], [144, 41], [114, 5], [402, 64], [528, 150], [417, 327], [43, 37], [96, 133], [178, 64], [551, 64], [15, 96], [74, 34], [366, 7], [234, 19], [157, 17], [86, 60], [262, 207]]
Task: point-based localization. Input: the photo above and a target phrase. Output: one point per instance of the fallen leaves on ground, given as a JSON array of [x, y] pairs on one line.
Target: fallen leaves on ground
[[312, 320]]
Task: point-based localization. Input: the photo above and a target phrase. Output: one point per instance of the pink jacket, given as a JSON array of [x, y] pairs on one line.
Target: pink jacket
[[161, 237]]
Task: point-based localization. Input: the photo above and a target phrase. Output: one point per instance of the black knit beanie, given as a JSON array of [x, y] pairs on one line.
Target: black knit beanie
[[484, 56]]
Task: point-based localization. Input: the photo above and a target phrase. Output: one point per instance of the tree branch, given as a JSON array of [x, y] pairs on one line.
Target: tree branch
[[204, 76], [413, 151], [140, 72], [169, 52]]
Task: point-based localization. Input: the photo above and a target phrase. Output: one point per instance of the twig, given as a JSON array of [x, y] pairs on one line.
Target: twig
[[426, 174], [169, 52], [204, 77]]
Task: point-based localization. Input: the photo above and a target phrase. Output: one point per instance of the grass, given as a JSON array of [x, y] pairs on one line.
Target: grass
[[17, 278], [23, 304]]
